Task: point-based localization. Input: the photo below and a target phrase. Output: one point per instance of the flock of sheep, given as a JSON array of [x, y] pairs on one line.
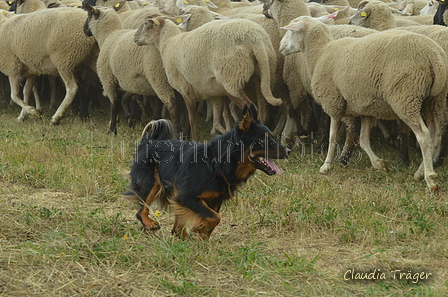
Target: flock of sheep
[[368, 59]]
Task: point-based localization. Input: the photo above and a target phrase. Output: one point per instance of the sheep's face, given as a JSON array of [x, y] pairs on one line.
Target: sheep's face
[[361, 16], [148, 31], [266, 6], [92, 12], [292, 40]]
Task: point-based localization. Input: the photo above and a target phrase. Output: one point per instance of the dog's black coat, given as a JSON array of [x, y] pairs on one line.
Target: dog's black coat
[[193, 173]]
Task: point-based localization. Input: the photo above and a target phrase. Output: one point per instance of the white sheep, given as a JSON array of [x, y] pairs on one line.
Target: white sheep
[[58, 48], [141, 72], [217, 59], [371, 78], [378, 15], [430, 8]]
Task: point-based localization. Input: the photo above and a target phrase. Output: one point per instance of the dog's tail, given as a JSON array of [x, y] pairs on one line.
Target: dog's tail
[[158, 130]]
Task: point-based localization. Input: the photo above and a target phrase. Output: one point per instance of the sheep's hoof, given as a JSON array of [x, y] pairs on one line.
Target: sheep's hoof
[[431, 180], [382, 165], [31, 110], [55, 121], [21, 119], [324, 169], [419, 175]]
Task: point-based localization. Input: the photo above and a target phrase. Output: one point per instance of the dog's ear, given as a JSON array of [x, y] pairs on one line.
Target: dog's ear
[[254, 111], [247, 118]]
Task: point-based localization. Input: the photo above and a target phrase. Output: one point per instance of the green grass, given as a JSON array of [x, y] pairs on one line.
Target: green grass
[[65, 230]]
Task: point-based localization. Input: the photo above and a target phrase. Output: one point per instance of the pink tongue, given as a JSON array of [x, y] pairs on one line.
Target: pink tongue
[[272, 165]]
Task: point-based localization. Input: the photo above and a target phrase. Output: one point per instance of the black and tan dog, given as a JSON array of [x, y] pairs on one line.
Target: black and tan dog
[[195, 178]]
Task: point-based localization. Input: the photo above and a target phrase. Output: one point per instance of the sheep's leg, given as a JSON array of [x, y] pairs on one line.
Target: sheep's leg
[[435, 130], [125, 104], [192, 116], [281, 121], [71, 88], [423, 136], [351, 138], [30, 86], [209, 106], [288, 131], [53, 84], [429, 137], [233, 112], [14, 82], [218, 107], [364, 141], [227, 116], [37, 99], [329, 160]]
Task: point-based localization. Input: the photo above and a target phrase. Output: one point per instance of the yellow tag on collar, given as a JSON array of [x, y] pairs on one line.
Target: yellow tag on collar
[[363, 14]]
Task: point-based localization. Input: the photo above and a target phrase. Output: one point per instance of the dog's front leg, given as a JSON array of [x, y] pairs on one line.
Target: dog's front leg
[[197, 215]]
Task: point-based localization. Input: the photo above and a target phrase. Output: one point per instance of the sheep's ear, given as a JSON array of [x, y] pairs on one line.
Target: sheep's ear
[[218, 16], [91, 10], [154, 22], [180, 19], [396, 11], [297, 26], [333, 8], [182, 3], [328, 18], [210, 4], [362, 4], [119, 5]]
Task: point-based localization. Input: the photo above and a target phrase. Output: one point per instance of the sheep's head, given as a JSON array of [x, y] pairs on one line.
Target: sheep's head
[[94, 13], [148, 31], [367, 10], [293, 41]]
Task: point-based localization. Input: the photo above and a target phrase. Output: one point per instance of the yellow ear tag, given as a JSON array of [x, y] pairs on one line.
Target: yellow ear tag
[[117, 5], [363, 14], [186, 2], [336, 9], [207, 1], [179, 20], [215, 13], [144, 3], [156, 23], [411, 11], [4, 12]]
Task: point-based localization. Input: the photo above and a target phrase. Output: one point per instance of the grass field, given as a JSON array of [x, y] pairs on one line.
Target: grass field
[[65, 231]]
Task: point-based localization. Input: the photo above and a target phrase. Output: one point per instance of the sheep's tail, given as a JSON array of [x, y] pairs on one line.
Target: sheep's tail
[[439, 75], [267, 60], [158, 130]]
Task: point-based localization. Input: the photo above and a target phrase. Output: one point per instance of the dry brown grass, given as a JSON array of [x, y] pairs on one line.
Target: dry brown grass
[[66, 232]]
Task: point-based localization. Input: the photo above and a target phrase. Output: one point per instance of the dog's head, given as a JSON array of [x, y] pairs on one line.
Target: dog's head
[[258, 145]]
